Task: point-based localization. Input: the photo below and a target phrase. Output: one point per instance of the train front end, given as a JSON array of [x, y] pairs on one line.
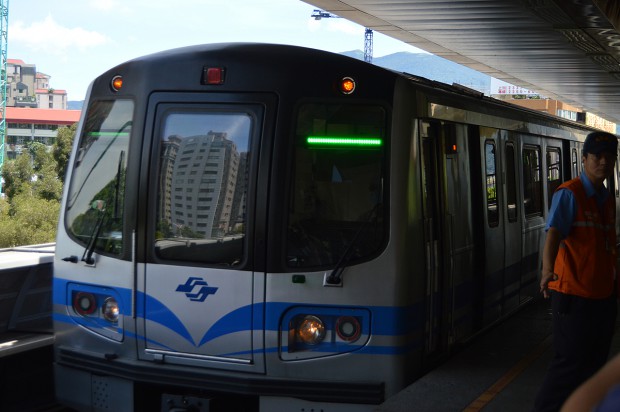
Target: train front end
[[224, 239]]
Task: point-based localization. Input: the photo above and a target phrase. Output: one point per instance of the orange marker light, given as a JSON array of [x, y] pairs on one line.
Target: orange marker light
[[117, 83], [347, 85]]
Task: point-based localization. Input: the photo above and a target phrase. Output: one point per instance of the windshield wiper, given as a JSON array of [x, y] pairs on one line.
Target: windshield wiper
[[87, 257], [335, 277], [100, 205]]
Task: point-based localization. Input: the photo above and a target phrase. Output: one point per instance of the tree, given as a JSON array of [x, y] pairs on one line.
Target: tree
[[28, 220], [33, 188], [17, 175], [61, 150]]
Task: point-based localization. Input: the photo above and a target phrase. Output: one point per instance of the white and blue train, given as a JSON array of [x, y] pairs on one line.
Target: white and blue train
[[252, 227]]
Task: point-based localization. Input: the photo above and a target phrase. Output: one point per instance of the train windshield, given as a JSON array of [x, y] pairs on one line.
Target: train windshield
[[94, 210], [336, 211], [202, 184]]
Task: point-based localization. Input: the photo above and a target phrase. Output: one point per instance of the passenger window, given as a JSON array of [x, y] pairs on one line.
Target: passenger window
[[511, 183], [532, 183], [202, 186], [554, 171], [491, 183]]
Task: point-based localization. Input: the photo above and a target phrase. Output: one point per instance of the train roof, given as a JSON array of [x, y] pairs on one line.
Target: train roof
[[170, 69]]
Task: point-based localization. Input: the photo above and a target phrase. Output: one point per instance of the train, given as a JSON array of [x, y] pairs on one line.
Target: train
[[261, 227]]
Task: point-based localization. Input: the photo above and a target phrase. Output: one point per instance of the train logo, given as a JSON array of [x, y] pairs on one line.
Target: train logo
[[194, 282]]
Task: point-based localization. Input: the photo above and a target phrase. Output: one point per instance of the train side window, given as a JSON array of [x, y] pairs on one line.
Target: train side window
[[574, 162], [532, 182], [96, 196], [202, 185], [511, 184], [554, 171], [491, 183]]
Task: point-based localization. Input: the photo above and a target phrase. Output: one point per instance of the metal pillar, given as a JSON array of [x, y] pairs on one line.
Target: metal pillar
[[368, 45]]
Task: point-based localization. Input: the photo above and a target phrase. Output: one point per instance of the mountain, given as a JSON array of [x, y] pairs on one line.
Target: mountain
[[432, 67], [75, 104]]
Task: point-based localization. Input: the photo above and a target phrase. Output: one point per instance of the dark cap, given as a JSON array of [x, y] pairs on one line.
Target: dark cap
[[598, 142]]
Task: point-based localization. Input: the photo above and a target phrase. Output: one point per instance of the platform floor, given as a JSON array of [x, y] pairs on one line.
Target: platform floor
[[499, 371]]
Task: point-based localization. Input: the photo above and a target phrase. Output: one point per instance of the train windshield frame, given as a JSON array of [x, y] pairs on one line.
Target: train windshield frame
[[337, 194], [96, 196]]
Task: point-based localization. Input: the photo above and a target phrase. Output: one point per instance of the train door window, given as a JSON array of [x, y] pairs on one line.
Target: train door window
[[574, 159], [511, 183], [95, 201], [554, 171], [337, 191], [532, 182], [491, 183], [202, 185]]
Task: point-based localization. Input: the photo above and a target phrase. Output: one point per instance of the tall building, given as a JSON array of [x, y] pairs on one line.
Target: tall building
[[203, 184]]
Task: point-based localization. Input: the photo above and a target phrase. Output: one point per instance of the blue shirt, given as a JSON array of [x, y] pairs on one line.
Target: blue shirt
[[564, 206]]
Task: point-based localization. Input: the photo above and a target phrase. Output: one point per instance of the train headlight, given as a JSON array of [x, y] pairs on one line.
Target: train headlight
[[310, 330], [110, 310]]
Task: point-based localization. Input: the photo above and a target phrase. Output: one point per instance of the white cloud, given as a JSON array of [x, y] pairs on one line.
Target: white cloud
[[49, 36]]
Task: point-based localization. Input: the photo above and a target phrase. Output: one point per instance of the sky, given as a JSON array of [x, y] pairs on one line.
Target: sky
[[74, 41]]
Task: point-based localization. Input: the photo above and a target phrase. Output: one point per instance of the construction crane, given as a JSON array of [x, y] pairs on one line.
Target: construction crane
[[4, 30], [320, 14]]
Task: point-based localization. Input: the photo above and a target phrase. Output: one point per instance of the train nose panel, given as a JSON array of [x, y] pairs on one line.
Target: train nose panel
[[199, 317]]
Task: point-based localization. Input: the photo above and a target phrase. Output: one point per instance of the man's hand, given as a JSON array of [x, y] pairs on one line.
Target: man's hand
[[546, 277]]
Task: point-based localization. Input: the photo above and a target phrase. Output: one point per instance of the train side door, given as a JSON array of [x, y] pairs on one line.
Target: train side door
[[511, 220], [432, 206], [200, 302], [448, 234], [533, 202], [494, 231]]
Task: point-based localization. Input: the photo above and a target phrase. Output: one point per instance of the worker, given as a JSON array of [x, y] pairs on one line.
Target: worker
[[578, 273]]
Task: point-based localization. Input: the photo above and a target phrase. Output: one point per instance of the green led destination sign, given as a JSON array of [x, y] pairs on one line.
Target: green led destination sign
[[344, 141]]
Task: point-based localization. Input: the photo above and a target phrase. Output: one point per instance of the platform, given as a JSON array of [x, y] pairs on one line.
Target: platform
[[499, 371]]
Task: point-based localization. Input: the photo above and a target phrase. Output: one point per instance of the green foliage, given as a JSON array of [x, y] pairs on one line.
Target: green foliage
[[33, 190], [28, 220], [62, 149], [17, 175]]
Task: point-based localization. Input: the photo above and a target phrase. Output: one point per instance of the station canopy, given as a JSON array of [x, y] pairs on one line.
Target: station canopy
[[568, 50]]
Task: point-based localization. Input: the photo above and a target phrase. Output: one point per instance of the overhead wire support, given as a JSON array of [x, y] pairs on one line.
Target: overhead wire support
[[368, 45], [320, 14]]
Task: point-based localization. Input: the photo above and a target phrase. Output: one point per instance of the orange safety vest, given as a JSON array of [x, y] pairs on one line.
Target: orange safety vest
[[586, 260]]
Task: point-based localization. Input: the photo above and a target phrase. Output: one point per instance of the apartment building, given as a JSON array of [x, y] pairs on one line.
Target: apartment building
[[28, 88]]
